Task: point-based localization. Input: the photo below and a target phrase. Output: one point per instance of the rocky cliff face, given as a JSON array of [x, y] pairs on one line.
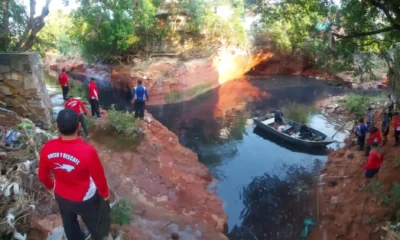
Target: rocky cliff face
[[169, 79], [165, 181]]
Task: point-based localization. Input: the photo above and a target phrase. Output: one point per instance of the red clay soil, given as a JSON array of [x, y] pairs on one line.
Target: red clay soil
[[345, 212]]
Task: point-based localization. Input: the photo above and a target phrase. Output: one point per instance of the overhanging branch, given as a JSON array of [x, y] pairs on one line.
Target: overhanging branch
[[364, 34]]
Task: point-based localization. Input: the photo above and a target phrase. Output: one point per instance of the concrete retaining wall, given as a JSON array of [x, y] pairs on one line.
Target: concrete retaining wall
[[22, 87]]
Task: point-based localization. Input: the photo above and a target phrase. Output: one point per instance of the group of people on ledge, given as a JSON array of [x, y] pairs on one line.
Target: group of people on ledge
[[138, 96], [376, 138], [75, 166]]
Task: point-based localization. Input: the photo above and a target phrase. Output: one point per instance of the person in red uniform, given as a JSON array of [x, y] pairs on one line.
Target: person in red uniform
[[374, 137], [396, 127], [79, 183], [76, 105], [373, 163], [94, 98], [64, 82]]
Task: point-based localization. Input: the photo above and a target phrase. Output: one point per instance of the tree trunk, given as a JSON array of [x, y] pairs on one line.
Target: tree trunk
[[35, 24], [4, 38]]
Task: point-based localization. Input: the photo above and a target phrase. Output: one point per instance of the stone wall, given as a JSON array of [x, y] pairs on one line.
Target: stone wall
[[22, 87]]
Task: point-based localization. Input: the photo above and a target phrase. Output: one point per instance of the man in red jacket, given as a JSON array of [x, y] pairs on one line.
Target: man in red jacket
[[94, 98], [374, 138], [79, 182], [373, 163], [76, 105], [63, 80]]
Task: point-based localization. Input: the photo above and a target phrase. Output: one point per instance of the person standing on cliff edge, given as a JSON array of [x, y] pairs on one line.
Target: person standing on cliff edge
[[94, 98], [79, 184], [64, 82], [139, 92]]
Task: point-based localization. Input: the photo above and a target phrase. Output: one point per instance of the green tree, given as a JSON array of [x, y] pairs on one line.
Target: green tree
[[55, 35], [18, 28], [104, 28]]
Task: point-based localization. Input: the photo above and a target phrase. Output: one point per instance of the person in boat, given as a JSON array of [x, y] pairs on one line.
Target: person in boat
[[374, 162], [374, 138], [305, 132], [279, 117], [385, 126]]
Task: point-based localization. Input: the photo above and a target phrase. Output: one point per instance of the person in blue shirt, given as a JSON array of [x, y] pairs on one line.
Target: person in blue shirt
[[385, 126], [370, 118], [138, 96], [361, 131]]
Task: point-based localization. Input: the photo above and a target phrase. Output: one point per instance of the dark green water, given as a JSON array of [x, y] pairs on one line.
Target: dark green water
[[264, 183]]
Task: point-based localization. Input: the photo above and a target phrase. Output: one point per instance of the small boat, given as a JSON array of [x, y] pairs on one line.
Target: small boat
[[316, 151], [290, 132]]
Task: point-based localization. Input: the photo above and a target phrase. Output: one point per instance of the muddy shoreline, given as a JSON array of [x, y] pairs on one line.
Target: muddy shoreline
[[345, 212]]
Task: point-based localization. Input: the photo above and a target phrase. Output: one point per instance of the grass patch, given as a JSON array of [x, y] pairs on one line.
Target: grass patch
[[199, 88], [298, 112], [123, 122], [121, 213], [89, 122], [78, 90], [173, 96], [359, 103]]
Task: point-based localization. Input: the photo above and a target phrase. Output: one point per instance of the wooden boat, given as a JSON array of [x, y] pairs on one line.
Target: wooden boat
[[290, 132]]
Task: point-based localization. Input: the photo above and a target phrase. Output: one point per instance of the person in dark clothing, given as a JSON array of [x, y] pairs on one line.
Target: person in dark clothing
[[370, 118], [63, 80], [305, 132], [279, 117], [76, 105], [361, 131], [374, 138], [139, 92], [81, 187], [396, 127], [94, 99], [390, 107], [385, 127]]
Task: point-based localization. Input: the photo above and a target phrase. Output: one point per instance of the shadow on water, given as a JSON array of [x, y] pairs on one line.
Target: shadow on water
[[275, 208]]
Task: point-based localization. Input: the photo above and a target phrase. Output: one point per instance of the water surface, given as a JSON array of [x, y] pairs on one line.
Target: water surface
[[263, 182]]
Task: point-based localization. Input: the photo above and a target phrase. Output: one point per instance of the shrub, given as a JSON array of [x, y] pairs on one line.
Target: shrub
[[357, 103], [298, 112], [89, 122], [123, 122], [199, 88], [173, 97], [121, 213], [78, 90]]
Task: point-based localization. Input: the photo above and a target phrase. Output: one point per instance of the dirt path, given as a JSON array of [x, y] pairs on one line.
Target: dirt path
[[345, 212]]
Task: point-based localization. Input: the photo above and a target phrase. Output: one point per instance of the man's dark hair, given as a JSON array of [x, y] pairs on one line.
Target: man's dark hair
[[369, 109], [69, 97], [361, 120], [139, 82], [67, 122], [92, 79], [63, 70]]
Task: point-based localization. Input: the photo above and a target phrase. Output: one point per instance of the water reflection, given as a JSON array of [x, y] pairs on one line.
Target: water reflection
[[274, 207], [263, 182]]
